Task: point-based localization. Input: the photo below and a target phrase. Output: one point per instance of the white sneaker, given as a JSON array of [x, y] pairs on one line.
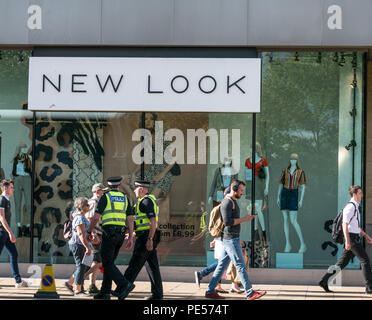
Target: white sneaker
[[22, 284]]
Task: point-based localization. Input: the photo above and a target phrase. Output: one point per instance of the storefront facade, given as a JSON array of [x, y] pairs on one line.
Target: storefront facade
[[313, 109]]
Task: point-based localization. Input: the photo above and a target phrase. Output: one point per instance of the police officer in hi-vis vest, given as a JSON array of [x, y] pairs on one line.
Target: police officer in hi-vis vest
[[115, 211], [146, 212]]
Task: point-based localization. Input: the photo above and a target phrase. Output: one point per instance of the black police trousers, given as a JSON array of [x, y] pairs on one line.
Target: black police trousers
[[141, 257], [112, 240], [358, 251]]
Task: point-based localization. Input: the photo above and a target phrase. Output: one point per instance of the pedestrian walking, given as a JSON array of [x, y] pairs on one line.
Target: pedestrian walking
[[7, 237], [98, 191], [116, 213], [352, 240], [218, 252], [147, 239], [79, 244], [199, 275], [230, 213]]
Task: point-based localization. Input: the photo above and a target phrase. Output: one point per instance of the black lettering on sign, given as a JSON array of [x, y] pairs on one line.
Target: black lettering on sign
[[234, 84], [186, 84], [74, 83], [206, 91], [57, 87], [149, 86], [112, 83]]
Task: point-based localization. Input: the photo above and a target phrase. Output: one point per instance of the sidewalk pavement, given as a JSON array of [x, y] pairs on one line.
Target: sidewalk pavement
[[190, 291]]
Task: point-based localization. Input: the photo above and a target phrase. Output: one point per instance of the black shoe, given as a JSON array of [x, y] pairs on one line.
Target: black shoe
[[124, 292], [116, 292], [102, 296], [153, 298], [324, 286]]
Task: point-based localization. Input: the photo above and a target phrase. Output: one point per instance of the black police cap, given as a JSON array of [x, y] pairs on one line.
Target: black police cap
[[141, 183], [114, 181]]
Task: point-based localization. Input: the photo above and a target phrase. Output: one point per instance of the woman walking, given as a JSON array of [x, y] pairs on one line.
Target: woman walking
[[79, 244]]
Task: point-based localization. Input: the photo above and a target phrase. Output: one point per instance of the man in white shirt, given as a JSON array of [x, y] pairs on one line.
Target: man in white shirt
[[353, 243], [98, 191]]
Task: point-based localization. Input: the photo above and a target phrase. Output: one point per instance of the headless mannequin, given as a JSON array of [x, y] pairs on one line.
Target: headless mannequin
[[292, 213], [227, 174], [259, 202], [22, 189]]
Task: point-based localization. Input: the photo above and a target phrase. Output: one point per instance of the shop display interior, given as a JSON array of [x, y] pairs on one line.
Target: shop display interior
[[308, 150]]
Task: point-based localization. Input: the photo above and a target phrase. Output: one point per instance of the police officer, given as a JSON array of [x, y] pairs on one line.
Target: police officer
[[147, 238], [114, 210]]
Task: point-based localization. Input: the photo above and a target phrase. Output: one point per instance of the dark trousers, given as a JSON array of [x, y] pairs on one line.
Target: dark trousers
[[13, 254], [141, 257], [112, 240], [358, 251]]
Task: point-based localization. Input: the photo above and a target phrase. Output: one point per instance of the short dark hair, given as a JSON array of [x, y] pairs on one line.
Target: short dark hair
[[236, 183], [6, 183], [354, 189]]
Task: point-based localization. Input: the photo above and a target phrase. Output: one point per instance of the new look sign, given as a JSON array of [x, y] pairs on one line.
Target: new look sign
[[145, 84]]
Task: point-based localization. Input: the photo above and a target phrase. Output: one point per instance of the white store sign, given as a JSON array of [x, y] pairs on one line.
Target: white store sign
[[145, 84]]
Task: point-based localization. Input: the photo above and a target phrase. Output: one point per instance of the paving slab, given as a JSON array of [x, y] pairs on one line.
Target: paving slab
[[174, 290]]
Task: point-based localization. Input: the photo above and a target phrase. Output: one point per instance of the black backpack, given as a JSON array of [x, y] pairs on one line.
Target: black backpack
[[337, 232]]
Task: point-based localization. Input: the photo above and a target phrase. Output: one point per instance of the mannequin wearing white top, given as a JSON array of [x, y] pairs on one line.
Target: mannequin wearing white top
[[292, 214]]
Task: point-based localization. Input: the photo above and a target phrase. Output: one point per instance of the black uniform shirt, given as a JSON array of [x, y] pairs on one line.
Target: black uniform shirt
[[5, 204], [147, 206]]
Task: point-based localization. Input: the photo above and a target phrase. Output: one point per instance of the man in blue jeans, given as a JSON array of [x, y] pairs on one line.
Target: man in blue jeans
[[7, 237], [230, 213]]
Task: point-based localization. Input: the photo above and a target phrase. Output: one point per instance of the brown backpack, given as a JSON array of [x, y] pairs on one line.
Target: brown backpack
[[216, 224]]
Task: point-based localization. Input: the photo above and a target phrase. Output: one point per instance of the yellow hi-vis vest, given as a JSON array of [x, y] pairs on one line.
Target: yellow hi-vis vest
[[116, 208], [141, 220]]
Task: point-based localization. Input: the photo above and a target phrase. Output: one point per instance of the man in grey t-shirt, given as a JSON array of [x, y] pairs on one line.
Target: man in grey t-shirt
[[230, 213]]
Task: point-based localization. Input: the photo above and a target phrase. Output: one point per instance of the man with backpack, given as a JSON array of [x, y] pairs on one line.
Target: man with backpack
[[352, 241], [230, 214]]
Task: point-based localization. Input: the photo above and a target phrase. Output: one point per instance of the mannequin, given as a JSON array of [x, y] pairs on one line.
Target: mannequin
[[292, 179], [222, 179], [261, 187], [22, 187]]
